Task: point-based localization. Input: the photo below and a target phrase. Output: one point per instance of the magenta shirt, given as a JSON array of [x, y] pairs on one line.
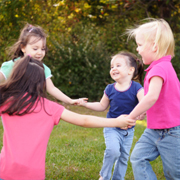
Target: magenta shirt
[[165, 113], [25, 141]]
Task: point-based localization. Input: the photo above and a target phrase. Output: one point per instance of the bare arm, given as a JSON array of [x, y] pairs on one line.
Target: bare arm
[[2, 78], [149, 99], [140, 95], [96, 106], [55, 92], [94, 121]]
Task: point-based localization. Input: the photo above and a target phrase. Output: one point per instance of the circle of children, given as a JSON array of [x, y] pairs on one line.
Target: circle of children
[[28, 117]]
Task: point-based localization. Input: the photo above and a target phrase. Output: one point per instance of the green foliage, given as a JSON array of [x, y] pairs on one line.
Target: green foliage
[[83, 35], [80, 62]]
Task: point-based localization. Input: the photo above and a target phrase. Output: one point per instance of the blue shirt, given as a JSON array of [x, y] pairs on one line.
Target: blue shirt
[[122, 102]]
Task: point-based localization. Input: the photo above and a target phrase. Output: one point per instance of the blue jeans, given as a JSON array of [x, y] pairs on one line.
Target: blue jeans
[[152, 143], [118, 144]]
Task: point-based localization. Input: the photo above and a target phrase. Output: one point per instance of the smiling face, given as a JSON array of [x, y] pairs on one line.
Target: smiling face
[[119, 69], [146, 49], [36, 48]]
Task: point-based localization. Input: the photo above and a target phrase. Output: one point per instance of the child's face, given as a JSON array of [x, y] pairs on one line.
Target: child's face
[[35, 48], [119, 68], [145, 49]]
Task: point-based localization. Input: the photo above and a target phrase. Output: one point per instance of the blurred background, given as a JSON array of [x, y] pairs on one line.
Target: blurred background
[[83, 35]]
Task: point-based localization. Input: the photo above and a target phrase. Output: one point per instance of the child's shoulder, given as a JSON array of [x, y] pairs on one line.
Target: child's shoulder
[[8, 62], [136, 86], [110, 86]]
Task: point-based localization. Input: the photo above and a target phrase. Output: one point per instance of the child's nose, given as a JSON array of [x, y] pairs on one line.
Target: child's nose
[[40, 51]]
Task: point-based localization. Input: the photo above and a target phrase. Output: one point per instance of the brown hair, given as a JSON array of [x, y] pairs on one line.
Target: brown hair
[[24, 88], [133, 61], [26, 33]]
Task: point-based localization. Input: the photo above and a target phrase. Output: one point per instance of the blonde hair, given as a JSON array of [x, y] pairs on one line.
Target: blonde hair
[[157, 31]]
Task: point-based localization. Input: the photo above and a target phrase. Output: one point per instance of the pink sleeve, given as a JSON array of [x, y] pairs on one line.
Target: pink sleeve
[[57, 111], [158, 71]]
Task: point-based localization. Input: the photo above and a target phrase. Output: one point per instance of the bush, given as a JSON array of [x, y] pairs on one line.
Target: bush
[[80, 63]]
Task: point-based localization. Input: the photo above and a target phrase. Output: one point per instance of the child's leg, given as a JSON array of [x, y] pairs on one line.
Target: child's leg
[[121, 163], [112, 152], [145, 151], [169, 149]]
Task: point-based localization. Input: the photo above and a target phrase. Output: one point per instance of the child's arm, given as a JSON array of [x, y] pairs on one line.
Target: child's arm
[[96, 106], [149, 99], [55, 92], [2, 78], [94, 121], [140, 96]]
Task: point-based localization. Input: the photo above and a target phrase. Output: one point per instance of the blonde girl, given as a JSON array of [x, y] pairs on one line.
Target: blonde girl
[[155, 44]]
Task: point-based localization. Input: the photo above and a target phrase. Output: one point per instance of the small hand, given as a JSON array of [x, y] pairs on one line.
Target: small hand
[[126, 123], [141, 117], [80, 101]]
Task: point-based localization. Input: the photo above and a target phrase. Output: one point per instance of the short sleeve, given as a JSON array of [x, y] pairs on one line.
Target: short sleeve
[[6, 68], [107, 90], [47, 71], [157, 71], [138, 86], [57, 110]]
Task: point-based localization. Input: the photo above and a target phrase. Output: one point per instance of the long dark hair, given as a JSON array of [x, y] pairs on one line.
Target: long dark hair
[[133, 61], [26, 33], [25, 87]]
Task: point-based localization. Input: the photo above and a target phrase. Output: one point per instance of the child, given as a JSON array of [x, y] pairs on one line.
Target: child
[[28, 119], [32, 41], [122, 96], [155, 44]]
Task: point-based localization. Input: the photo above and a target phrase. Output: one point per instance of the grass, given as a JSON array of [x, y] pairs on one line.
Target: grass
[[76, 153]]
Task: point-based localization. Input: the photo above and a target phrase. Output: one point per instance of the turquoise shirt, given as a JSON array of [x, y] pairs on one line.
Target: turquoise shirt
[[7, 67]]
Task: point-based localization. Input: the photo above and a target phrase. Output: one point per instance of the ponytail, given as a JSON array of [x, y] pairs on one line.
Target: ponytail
[[138, 73]]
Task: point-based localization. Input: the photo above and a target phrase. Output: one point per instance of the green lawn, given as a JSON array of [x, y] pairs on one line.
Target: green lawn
[[76, 153]]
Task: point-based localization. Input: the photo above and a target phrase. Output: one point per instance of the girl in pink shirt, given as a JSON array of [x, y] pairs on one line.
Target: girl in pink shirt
[[28, 119], [155, 44]]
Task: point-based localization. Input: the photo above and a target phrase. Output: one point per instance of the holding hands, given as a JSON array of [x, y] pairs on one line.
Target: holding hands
[[80, 101], [125, 122]]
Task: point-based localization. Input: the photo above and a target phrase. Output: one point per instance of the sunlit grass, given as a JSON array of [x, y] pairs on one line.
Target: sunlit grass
[[76, 153]]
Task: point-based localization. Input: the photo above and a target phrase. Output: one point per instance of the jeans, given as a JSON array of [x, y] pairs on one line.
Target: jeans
[[154, 143], [118, 144]]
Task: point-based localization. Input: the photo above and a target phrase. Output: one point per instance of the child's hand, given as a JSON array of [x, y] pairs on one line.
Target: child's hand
[[80, 101], [126, 123], [141, 117]]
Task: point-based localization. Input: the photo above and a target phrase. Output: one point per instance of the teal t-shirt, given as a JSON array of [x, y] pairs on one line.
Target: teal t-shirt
[[7, 67]]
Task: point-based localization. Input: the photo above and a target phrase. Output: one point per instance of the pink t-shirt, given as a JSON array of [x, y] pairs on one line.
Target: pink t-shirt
[[25, 141], [165, 113]]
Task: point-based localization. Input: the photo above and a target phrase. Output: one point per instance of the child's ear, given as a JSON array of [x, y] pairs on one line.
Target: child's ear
[[154, 48], [131, 70], [23, 49]]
